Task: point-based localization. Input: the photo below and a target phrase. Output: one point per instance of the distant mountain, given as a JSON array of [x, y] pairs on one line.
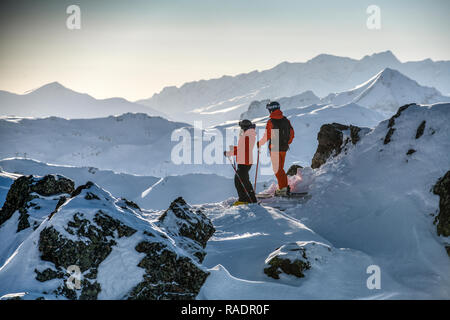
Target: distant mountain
[[54, 99], [225, 98], [257, 109], [133, 143], [386, 92]]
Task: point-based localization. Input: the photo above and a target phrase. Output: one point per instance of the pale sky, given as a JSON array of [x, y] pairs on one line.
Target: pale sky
[[134, 48]]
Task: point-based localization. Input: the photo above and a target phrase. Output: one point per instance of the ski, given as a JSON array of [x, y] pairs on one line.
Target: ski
[[290, 195]]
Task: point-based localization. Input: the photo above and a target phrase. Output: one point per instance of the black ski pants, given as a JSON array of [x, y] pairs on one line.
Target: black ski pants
[[242, 171]]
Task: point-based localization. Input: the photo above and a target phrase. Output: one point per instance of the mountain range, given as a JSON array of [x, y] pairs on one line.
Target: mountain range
[[385, 93], [227, 97], [53, 99]]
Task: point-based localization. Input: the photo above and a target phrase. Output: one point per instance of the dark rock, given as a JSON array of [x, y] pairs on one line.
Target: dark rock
[[130, 204], [78, 190], [292, 171], [391, 122], [168, 275], [420, 129], [23, 221], [48, 274], [87, 254], [187, 222], [388, 136], [61, 201], [442, 189], [297, 267], [91, 196], [410, 152], [20, 193], [330, 138], [354, 134]]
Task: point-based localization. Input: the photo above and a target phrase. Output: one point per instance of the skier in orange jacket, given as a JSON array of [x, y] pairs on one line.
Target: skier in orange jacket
[[279, 133]]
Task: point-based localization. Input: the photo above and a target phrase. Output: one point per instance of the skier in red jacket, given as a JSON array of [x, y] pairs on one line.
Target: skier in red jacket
[[279, 133]]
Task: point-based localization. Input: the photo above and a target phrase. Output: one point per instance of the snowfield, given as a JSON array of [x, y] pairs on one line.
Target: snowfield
[[371, 205]]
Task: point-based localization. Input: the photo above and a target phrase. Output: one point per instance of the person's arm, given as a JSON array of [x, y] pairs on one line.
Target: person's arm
[[231, 152], [267, 134], [291, 133]]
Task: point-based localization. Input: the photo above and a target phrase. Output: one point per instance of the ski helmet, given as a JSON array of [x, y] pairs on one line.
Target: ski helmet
[[272, 106], [246, 124]]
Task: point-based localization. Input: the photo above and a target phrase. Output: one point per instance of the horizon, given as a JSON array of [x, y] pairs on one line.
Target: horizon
[[56, 82], [134, 51]]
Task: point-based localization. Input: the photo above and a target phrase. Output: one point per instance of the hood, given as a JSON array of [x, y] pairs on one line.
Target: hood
[[277, 114]]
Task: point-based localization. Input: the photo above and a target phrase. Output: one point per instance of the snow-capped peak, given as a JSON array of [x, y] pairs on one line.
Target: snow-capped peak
[[386, 92], [386, 57]]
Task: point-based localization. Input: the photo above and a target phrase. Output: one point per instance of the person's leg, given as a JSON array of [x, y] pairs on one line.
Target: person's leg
[[278, 159], [243, 171], [239, 188]]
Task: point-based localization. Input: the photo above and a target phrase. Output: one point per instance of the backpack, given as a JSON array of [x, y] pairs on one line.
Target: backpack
[[280, 138]]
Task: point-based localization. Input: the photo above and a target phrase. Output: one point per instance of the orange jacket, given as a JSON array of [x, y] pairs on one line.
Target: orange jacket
[[244, 150], [277, 114]]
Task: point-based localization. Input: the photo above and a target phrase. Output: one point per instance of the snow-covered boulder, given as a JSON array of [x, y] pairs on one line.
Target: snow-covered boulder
[[191, 227], [25, 189], [29, 201], [117, 253], [289, 259]]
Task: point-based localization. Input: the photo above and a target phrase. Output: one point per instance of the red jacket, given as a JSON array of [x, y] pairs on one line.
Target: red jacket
[[244, 150], [277, 114]]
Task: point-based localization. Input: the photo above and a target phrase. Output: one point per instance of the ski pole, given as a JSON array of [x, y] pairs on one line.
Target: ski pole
[[240, 180]]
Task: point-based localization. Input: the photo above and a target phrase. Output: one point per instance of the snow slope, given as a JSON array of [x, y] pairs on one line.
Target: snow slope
[[230, 96], [371, 206], [53, 99], [386, 92], [133, 143]]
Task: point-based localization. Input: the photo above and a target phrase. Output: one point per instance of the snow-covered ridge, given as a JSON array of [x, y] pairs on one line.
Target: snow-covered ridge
[[385, 92], [54, 99], [101, 142]]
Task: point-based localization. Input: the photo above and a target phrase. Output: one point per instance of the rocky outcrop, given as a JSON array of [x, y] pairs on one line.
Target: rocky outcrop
[[88, 224], [442, 189], [331, 141], [25, 189], [290, 259], [96, 239], [191, 227], [420, 129], [391, 123], [296, 258]]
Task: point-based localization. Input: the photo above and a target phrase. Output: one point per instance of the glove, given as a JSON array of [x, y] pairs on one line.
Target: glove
[[225, 153], [257, 144]]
